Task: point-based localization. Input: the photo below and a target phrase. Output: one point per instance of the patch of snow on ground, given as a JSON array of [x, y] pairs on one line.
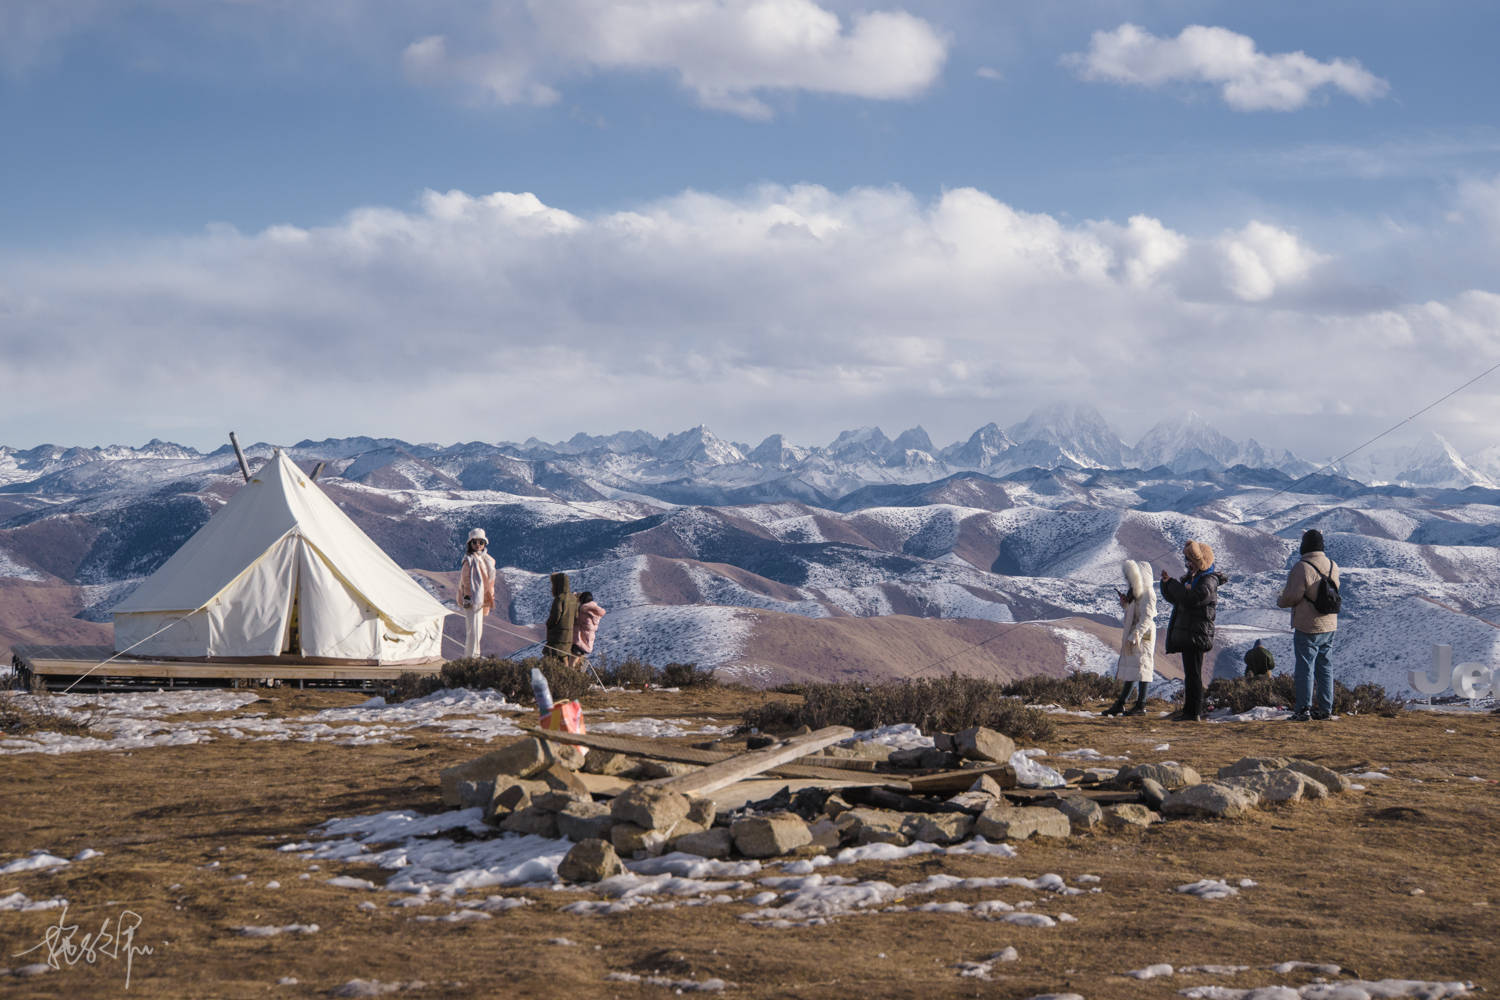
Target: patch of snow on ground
[[1033, 775], [675, 985], [265, 932], [35, 861], [134, 721], [1346, 989], [660, 728], [903, 736], [19, 902], [1209, 889]]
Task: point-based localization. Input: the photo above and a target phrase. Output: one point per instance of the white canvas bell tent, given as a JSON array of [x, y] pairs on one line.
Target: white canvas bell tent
[[281, 571]]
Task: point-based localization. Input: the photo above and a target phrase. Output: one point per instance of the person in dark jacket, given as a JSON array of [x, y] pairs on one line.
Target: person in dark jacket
[[1258, 660], [1190, 631]]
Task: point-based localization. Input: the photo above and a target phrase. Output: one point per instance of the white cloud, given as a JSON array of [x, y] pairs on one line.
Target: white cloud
[[1248, 80], [797, 309], [1260, 258], [729, 53]]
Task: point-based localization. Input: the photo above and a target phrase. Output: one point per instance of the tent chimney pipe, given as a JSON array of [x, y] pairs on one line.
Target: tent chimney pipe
[[244, 467], [317, 469]]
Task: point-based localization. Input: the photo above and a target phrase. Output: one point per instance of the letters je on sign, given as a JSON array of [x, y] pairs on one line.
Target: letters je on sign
[[1468, 680]]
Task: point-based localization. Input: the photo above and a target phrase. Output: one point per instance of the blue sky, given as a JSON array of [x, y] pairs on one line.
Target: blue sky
[[769, 215]]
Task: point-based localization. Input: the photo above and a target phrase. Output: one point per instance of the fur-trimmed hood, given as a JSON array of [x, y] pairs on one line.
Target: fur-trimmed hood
[[1138, 579]]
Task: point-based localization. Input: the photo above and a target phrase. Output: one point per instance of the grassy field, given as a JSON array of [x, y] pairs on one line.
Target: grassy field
[[1394, 881]]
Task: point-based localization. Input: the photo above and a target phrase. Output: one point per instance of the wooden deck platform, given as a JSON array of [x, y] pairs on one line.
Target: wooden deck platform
[[58, 666]]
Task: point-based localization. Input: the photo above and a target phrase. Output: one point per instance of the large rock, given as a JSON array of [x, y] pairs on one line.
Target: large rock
[[511, 795], [769, 836], [590, 861], [702, 810], [561, 778], [974, 802], [1275, 787], [634, 841], [1210, 799], [476, 793], [714, 843], [607, 762], [923, 759], [521, 759], [542, 822], [983, 743], [1331, 780], [1021, 822], [1083, 813], [873, 826], [1169, 775], [1252, 765], [1153, 794], [580, 821], [1128, 815], [649, 807], [938, 828], [557, 801]]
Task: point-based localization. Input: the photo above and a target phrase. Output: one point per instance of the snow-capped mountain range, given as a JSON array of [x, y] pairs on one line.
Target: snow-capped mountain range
[[868, 556], [1059, 436]]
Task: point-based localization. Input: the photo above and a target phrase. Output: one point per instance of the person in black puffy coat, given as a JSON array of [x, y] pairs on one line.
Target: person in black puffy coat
[[1190, 632]]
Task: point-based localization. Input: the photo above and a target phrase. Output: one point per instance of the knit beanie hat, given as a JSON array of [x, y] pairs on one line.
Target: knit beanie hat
[[1312, 541]]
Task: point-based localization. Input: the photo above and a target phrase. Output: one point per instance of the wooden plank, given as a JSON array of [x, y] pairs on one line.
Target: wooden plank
[[953, 782], [180, 670], [658, 750], [747, 765]]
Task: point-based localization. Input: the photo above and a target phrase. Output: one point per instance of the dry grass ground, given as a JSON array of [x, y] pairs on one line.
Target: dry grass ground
[[1337, 881]]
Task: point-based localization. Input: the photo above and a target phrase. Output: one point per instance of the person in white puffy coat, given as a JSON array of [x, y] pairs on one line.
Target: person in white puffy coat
[[1137, 665]]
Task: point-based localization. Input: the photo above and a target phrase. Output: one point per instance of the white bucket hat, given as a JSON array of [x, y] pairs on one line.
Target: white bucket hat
[[479, 534]]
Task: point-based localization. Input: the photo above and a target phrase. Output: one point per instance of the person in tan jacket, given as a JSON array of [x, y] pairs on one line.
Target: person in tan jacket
[[1313, 632]]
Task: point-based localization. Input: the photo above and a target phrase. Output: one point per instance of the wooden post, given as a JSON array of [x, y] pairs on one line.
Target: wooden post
[[244, 466]]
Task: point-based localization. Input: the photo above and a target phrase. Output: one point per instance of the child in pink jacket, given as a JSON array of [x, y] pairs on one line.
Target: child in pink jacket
[[585, 627]]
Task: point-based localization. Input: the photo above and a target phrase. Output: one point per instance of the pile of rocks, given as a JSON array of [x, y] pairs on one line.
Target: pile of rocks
[[533, 786]]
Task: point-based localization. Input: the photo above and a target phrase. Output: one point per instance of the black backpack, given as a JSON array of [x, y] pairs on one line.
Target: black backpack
[[1327, 600]]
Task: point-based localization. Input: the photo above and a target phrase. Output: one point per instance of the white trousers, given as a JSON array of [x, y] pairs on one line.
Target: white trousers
[[474, 622]]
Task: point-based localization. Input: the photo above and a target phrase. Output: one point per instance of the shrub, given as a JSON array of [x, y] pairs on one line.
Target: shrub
[[17, 717], [1077, 689], [511, 678], [632, 673], [1240, 694], [942, 704]]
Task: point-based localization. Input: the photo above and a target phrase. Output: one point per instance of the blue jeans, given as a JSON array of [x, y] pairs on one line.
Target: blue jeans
[[1314, 677]]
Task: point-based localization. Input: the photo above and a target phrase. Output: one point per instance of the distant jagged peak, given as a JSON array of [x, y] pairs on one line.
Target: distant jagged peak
[[1423, 458], [872, 437], [981, 450], [1056, 422], [914, 439], [1185, 436], [1077, 431], [775, 451], [698, 444]]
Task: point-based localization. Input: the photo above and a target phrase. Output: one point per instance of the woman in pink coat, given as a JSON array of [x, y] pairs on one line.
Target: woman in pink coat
[[585, 627]]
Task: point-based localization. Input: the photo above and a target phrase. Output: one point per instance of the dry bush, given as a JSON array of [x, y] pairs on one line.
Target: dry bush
[[1076, 690], [943, 704], [632, 673], [17, 718], [511, 678], [1240, 694]]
